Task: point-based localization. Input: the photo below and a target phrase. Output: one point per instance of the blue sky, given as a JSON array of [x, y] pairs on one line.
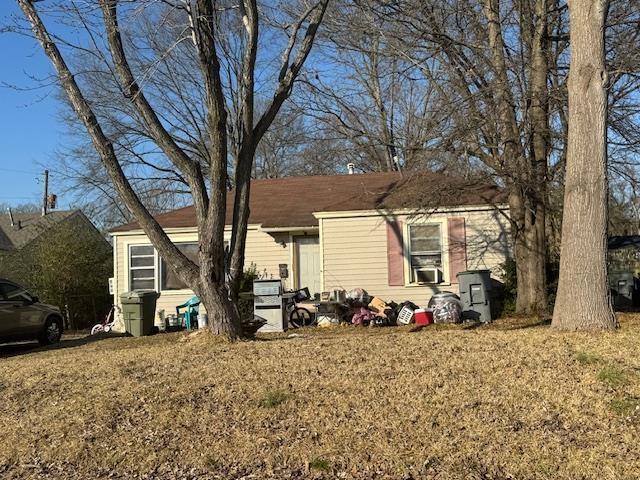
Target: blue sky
[[29, 131]]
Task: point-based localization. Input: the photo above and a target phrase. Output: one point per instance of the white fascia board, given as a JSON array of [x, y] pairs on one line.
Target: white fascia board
[[171, 231], [312, 228], [409, 211]]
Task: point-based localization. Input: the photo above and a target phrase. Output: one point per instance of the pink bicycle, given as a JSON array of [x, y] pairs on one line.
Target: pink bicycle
[[108, 323]]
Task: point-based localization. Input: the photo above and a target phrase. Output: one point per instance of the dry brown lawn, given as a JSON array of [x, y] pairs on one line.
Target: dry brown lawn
[[514, 400]]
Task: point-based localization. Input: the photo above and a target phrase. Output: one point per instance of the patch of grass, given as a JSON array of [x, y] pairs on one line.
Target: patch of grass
[[586, 358], [212, 462], [624, 406], [546, 469], [274, 397], [504, 401], [319, 464], [613, 376]]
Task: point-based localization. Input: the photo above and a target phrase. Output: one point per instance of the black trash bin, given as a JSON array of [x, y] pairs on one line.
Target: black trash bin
[[623, 289]]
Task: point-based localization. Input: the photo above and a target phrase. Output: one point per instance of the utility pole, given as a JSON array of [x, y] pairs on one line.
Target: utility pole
[[45, 198]]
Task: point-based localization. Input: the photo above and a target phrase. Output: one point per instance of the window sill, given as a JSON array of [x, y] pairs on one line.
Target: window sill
[[430, 285], [185, 291]]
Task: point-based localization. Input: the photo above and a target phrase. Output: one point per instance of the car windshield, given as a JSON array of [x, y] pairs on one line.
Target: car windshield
[[14, 293]]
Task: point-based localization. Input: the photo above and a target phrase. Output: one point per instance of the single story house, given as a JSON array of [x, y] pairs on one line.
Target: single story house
[[398, 236]]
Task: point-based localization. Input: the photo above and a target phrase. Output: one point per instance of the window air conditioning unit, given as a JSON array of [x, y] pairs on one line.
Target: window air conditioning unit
[[427, 275]]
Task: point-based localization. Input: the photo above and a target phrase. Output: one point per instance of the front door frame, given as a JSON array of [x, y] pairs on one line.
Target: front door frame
[[294, 257]]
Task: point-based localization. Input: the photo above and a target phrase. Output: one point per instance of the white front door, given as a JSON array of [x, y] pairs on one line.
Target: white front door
[[308, 263]]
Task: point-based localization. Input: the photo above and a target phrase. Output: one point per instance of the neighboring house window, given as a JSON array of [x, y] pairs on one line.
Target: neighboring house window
[[168, 279], [425, 253], [142, 269]]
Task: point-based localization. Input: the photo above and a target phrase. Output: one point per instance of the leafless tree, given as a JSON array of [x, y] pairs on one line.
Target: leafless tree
[[489, 63], [369, 99], [223, 38]]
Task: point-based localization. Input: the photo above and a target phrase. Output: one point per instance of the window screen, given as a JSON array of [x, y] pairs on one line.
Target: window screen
[[425, 252], [142, 270]]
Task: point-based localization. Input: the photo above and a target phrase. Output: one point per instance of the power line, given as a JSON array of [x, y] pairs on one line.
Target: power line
[[12, 170], [19, 198]]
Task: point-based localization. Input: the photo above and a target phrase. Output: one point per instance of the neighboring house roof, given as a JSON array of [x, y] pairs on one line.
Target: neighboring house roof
[[292, 201], [623, 241], [28, 226], [5, 243]]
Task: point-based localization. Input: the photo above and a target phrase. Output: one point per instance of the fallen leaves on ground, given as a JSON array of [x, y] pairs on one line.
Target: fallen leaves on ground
[[515, 400]]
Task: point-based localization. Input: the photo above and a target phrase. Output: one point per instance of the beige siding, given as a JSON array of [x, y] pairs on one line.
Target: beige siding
[[264, 250], [267, 252], [354, 252]]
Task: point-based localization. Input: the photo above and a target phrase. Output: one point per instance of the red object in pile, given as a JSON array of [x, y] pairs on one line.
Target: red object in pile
[[423, 317]]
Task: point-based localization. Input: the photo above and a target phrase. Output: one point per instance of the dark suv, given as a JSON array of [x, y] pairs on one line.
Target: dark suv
[[23, 317]]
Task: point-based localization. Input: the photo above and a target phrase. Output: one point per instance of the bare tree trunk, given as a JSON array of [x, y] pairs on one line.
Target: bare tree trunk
[[222, 313], [583, 301], [525, 200], [535, 209]]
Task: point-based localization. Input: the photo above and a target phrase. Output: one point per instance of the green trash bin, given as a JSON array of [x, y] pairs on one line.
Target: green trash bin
[[138, 311]]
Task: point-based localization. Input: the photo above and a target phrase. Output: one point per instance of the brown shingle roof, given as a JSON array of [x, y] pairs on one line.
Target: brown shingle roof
[[291, 201]]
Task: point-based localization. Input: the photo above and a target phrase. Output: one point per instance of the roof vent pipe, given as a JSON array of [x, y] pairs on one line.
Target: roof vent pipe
[[10, 216], [350, 168]]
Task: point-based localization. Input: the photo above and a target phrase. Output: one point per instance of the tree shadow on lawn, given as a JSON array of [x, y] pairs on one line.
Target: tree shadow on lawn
[[522, 323], [509, 323], [22, 348]]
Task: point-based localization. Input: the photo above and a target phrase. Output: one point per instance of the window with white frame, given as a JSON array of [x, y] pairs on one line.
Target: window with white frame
[[425, 253], [142, 267]]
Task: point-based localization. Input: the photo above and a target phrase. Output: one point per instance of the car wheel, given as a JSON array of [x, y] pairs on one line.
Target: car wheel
[[52, 331]]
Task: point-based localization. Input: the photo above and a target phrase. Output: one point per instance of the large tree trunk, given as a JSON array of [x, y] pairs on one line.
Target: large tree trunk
[[532, 297], [212, 288], [525, 201], [222, 313], [583, 301], [529, 246]]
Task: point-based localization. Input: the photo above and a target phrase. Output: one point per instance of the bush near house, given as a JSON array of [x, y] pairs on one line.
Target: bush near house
[[68, 265], [245, 305], [508, 290]]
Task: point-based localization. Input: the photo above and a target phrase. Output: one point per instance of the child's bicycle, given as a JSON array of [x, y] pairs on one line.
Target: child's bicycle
[[299, 316], [108, 323]]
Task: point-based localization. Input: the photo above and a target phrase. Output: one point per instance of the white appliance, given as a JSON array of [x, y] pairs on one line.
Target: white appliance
[[427, 275], [269, 304]]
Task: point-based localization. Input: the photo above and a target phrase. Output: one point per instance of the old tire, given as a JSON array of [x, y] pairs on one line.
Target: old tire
[[52, 331]]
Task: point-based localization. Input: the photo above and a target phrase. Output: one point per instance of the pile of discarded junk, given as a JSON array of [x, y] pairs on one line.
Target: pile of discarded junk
[[282, 310], [359, 308]]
